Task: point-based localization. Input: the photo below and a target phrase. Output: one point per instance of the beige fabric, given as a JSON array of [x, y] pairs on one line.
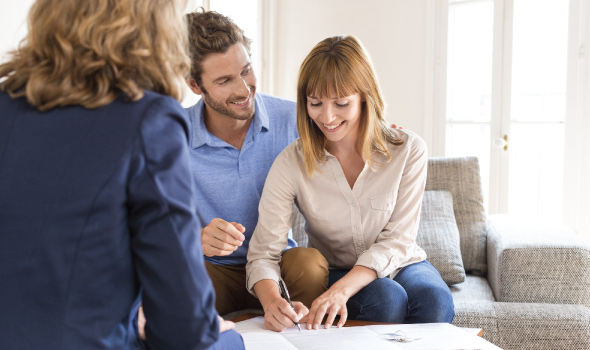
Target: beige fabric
[[304, 270], [373, 225]]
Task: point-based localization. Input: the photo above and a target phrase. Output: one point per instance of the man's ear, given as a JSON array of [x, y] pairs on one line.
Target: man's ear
[[192, 84]]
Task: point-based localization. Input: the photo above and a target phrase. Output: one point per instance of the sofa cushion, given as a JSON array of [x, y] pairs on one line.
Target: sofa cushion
[[460, 176], [474, 288], [439, 237]]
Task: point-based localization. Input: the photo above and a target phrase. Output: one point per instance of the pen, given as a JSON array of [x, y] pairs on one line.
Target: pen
[[285, 294]]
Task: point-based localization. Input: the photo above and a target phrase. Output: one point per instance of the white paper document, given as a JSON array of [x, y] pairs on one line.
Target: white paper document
[[422, 336], [435, 336], [257, 337]]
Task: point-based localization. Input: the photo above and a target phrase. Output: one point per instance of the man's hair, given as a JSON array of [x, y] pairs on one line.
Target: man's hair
[[211, 32], [341, 63], [86, 52]]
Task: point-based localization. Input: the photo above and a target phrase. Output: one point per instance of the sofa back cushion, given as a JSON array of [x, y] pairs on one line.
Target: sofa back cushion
[[460, 176], [439, 236]]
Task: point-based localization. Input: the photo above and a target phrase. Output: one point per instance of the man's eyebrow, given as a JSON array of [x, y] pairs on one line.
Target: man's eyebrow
[[223, 77], [229, 76]]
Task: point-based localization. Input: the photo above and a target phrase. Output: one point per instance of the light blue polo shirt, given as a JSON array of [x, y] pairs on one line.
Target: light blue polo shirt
[[228, 182]]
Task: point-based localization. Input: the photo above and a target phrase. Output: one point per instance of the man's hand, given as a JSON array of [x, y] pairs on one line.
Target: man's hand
[[221, 238], [141, 323], [225, 325]]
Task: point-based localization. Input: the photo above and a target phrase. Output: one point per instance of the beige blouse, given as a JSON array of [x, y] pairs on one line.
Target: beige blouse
[[374, 224]]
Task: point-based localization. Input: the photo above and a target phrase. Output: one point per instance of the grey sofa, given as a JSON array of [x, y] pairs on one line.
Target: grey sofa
[[526, 284]]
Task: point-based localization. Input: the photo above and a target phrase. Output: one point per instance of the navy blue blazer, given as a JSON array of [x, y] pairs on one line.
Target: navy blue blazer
[[95, 203]]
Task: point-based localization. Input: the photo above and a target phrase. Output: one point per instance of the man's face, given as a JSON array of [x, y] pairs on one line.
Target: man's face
[[228, 83]]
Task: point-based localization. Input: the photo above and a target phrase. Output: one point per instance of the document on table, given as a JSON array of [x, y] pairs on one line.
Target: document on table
[[257, 337], [436, 336]]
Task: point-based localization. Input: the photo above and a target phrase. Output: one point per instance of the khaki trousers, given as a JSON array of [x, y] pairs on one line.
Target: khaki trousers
[[304, 270]]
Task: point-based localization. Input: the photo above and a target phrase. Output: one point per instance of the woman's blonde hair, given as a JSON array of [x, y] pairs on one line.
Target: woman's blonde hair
[[341, 63], [88, 52]]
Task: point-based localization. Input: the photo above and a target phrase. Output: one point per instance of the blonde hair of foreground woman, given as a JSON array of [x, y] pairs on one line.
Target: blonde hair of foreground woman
[[343, 64], [86, 52]]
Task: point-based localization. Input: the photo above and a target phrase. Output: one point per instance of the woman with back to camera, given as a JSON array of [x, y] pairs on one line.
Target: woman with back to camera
[[96, 196], [359, 185]]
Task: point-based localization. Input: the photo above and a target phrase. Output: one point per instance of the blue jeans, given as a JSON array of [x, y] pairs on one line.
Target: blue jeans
[[417, 294], [229, 340]]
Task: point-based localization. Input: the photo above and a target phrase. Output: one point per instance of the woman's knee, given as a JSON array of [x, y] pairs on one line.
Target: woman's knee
[[432, 304], [383, 300]]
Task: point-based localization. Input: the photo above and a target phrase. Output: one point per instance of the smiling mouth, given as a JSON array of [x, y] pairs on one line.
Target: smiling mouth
[[242, 103], [332, 127]]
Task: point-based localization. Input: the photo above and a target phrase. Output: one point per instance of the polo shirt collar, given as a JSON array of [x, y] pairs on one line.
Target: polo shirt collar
[[201, 136]]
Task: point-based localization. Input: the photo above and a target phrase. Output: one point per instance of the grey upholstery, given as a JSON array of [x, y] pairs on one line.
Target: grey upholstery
[[533, 289], [439, 236], [525, 259], [460, 176]]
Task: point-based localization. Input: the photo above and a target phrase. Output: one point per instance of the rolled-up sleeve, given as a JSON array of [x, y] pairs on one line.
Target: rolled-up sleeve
[[274, 222], [178, 297], [395, 245]]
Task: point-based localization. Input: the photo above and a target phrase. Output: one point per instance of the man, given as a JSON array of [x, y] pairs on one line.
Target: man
[[236, 135]]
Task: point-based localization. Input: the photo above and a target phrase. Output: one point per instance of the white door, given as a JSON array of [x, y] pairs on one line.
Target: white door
[[506, 94]]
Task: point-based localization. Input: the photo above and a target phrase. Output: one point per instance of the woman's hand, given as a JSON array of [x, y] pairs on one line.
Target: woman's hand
[[225, 325], [332, 302], [279, 315]]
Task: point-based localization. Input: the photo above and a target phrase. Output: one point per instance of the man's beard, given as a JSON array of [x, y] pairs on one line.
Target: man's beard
[[224, 109]]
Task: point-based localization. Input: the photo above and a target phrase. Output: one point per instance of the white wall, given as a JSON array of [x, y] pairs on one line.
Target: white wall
[[393, 31], [13, 25]]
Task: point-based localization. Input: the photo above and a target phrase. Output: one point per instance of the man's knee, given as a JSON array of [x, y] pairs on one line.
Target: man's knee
[[305, 271], [307, 263]]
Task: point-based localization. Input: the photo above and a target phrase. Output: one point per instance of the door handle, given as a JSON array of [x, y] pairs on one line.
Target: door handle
[[501, 143]]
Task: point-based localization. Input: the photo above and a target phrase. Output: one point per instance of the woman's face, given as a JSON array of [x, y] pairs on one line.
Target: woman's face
[[337, 117]]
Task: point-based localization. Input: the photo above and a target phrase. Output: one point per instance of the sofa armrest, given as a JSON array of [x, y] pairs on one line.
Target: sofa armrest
[[535, 262]]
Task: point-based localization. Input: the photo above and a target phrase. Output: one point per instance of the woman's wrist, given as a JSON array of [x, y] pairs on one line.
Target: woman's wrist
[[341, 288], [356, 279], [267, 292]]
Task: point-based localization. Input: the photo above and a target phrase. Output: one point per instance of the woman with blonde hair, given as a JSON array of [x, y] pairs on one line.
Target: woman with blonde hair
[[359, 185], [96, 201]]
